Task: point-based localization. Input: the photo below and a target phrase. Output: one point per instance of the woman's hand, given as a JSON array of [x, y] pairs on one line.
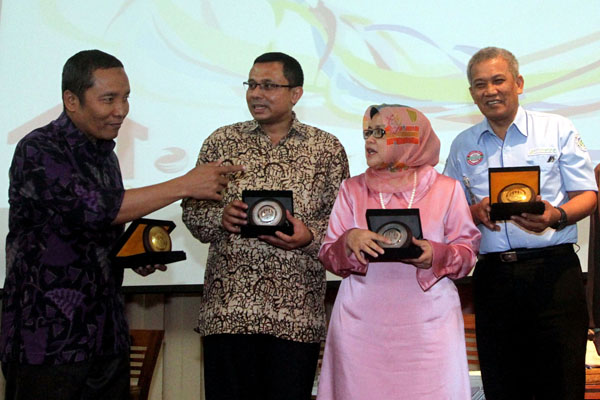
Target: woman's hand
[[360, 241], [425, 260]]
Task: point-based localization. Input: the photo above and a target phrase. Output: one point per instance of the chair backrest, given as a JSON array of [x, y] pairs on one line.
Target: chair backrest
[[592, 392], [145, 346], [318, 371], [471, 342], [592, 383]]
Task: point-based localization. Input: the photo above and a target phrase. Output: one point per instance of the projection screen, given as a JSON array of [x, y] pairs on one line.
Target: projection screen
[[186, 61]]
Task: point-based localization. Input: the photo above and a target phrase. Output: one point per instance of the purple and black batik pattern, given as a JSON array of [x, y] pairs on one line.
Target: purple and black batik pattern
[[62, 300]]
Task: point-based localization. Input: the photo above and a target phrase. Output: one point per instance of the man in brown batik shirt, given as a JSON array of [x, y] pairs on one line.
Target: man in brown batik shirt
[[262, 312]]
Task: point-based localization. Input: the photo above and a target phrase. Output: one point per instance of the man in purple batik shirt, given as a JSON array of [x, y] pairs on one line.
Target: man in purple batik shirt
[[64, 334]]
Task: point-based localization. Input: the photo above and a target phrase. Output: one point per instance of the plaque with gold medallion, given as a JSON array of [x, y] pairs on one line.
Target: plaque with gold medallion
[[146, 242], [513, 191]]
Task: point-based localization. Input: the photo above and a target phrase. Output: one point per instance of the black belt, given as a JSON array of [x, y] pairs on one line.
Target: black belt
[[515, 255]]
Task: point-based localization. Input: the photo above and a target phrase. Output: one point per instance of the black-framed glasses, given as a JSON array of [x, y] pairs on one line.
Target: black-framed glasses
[[268, 86], [377, 133]]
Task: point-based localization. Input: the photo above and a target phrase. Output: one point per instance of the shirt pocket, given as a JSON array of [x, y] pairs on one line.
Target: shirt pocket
[[546, 162], [549, 167]]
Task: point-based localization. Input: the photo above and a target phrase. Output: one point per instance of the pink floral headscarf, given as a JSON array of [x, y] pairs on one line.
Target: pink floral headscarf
[[412, 145]]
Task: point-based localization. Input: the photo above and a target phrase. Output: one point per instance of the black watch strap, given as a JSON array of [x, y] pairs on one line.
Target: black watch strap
[[562, 221]]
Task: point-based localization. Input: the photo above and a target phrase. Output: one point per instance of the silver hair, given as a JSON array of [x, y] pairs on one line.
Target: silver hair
[[488, 53]]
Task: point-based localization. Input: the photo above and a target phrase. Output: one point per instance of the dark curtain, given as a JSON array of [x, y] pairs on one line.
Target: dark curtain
[[593, 277]]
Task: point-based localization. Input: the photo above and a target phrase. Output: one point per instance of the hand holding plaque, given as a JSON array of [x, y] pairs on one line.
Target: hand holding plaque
[[399, 226], [513, 191], [146, 242], [266, 212]]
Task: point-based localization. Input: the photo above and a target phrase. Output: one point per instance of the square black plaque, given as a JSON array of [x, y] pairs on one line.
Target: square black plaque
[[266, 212], [400, 224]]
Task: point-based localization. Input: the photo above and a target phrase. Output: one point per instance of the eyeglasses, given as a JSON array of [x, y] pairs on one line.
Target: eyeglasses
[[268, 86], [377, 133]]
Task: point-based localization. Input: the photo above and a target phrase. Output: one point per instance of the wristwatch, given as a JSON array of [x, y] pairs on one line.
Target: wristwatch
[[562, 221]]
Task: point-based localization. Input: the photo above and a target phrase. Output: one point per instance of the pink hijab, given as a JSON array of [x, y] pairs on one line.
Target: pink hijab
[[412, 145]]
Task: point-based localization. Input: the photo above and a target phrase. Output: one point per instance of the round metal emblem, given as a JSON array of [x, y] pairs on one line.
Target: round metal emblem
[[156, 239], [398, 233], [516, 193], [267, 212]]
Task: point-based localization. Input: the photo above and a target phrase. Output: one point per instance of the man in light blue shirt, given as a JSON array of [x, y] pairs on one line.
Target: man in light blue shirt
[[529, 299]]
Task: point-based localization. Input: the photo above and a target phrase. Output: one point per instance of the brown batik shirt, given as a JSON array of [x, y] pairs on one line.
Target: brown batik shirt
[[251, 286]]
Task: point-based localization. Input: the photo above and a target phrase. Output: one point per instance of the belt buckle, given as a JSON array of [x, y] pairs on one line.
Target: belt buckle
[[508, 256]]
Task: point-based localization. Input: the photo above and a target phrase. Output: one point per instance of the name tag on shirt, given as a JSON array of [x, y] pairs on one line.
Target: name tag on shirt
[[551, 151]]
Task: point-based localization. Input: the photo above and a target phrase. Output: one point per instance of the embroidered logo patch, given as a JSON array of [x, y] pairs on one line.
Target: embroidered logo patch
[[579, 142], [474, 157]]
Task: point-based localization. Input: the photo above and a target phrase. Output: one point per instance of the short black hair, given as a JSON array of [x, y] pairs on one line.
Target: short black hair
[[291, 67], [79, 69]]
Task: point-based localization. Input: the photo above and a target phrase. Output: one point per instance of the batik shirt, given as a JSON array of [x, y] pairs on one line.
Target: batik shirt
[[251, 286], [62, 300]]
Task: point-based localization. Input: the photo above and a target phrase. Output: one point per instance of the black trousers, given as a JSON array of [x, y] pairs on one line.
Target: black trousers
[[95, 379], [531, 323], [253, 367]]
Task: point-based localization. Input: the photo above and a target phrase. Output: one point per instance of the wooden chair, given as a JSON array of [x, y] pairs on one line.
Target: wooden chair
[[318, 371], [471, 342], [145, 346], [592, 392], [592, 383], [472, 357]]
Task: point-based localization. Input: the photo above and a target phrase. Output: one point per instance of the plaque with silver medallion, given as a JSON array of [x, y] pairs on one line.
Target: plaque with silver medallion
[[399, 226], [267, 212], [146, 242]]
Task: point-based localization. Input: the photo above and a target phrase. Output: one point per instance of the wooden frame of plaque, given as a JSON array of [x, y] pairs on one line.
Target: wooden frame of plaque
[[407, 219], [513, 191], [144, 243], [270, 204]]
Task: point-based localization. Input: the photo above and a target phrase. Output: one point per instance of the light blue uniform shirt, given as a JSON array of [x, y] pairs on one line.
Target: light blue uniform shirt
[[534, 138]]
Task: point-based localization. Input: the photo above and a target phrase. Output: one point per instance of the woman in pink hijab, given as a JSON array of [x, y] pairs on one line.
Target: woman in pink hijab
[[396, 329]]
